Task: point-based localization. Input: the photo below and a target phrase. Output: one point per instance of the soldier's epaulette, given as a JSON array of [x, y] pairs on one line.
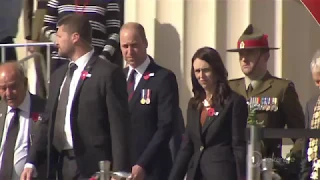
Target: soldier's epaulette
[[282, 79], [237, 79], [285, 81]]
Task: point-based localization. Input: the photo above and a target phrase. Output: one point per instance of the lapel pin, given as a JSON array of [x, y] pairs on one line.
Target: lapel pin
[[85, 74], [147, 75], [211, 112], [35, 116], [1, 115]]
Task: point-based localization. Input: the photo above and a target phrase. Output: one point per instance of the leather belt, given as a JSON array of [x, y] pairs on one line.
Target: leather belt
[[68, 153]]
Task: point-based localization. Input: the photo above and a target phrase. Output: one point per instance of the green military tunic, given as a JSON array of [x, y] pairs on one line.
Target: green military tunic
[[285, 110]]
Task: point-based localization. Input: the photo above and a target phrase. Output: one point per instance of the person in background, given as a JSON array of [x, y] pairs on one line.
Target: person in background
[[87, 118], [153, 105], [33, 22], [105, 19], [9, 12], [277, 98], [214, 145], [310, 156], [20, 115]]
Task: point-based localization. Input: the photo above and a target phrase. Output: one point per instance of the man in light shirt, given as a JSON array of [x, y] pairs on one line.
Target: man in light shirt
[[19, 113], [87, 117]]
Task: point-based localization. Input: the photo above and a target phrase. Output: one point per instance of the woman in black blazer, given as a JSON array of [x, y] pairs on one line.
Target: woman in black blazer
[[214, 145]]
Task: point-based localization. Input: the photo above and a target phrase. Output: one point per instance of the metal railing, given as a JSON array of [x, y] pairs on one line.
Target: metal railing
[[48, 54], [257, 167], [42, 65]]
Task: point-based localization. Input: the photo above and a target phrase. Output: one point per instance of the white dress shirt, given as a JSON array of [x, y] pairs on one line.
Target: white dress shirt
[[140, 71], [81, 63], [21, 147]]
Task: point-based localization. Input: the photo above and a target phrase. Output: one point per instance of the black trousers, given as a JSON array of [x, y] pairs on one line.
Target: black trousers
[[67, 167], [10, 52]]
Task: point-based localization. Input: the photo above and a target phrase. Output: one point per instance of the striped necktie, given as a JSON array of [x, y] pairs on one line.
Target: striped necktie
[[131, 83], [9, 146]]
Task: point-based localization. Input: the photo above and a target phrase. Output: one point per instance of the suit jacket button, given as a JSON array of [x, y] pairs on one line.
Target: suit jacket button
[[201, 148]]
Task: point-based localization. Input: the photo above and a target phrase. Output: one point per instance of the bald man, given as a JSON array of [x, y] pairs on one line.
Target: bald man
[[153, 104], [19, 115]]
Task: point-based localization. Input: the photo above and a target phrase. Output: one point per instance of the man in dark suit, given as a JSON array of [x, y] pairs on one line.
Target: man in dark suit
[[310, 156], [86, 119], [19, 118], [153, 104]]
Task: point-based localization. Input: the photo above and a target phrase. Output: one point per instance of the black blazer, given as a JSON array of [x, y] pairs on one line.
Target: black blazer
[[37, 106], [152, 123], [99, 120], [177, 134], [218, 149], [306, 166]]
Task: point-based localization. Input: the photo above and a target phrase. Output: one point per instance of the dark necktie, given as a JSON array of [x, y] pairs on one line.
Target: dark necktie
[[130, 84], [8, 149], [249, 90], [59, 137]]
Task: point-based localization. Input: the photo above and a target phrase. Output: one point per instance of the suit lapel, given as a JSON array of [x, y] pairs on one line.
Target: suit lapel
[[125, 71], [196, 114], [215, 122], [3, 114], [82, 79], [209, 120], [142, 83], [265, 85], [35, 107], [57, 84]]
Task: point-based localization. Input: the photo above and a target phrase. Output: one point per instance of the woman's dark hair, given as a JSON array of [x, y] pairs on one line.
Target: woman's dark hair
[[222, 89]]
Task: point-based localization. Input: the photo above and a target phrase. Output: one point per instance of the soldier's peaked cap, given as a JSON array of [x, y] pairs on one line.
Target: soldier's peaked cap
[[252, 38]]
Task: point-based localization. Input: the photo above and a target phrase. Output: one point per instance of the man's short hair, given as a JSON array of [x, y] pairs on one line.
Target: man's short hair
[[18, 69], [77, 23], [137, 27], [315, 63]]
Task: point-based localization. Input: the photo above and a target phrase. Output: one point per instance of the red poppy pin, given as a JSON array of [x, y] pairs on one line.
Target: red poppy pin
[[211, 112], [95, 177], [35, 116], [85, 74], [147, 75]]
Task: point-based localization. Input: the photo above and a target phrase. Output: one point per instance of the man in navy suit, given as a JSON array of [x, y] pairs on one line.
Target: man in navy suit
[[153, 104]]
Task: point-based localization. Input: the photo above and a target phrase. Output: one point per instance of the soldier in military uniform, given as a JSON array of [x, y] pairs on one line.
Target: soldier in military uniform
[[277, 100]]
